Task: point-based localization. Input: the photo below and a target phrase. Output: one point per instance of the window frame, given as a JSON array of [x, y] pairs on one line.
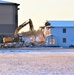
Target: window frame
[[64, 30], [52, 41], [64, 40]]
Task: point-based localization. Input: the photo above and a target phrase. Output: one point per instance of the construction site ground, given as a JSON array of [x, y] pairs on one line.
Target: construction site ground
[[37, 61]]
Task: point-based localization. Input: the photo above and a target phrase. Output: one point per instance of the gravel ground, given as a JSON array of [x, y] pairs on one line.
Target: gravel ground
[[36, 63]]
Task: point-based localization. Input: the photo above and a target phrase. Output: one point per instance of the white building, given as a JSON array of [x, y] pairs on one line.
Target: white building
[[62, 34], [8, 18]]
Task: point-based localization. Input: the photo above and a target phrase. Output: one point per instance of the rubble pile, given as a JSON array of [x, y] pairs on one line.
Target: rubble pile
[[36, 37]]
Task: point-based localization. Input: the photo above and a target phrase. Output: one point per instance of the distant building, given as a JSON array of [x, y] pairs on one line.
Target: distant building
[[61, 34], [8, 18]]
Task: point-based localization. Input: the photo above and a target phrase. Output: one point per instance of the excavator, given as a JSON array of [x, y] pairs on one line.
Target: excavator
[[16, 37], [16, 34]]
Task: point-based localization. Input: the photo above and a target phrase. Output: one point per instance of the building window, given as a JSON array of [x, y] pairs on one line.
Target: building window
[[64, 30], [52, 41], [64, 40]]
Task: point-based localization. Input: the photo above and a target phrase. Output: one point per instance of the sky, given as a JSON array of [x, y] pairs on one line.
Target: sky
[[42, 10]]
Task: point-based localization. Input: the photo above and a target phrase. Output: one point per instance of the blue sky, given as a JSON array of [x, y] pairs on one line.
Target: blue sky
[[41, 10]]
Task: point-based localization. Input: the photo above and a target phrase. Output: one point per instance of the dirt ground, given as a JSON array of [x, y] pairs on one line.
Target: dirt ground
[[36, 63]]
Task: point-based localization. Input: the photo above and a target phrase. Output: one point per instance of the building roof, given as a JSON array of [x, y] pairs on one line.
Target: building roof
[[62, 23], [6, 2]]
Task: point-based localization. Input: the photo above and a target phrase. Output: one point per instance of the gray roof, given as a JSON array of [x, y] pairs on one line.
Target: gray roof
[[57, 23], [6, 2]]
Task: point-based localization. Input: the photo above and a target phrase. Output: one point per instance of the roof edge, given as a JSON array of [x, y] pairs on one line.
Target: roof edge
[[9, 3]]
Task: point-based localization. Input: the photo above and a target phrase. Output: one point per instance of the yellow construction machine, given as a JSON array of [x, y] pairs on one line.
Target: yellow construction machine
[[16, 34], [17, 37]]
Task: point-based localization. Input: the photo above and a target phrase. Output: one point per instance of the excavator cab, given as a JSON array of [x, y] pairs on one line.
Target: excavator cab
[[18, 38]]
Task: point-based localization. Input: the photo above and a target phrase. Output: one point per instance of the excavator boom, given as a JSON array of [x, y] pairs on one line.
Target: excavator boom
[[22, 25]]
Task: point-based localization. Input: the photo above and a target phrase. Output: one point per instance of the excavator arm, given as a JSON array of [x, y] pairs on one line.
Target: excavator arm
[[22, 25]]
